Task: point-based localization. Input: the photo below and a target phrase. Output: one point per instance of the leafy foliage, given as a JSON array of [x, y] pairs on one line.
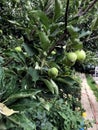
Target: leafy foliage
[[38, 28]]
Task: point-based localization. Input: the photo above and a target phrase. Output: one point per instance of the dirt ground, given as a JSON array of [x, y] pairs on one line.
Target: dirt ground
[[89, 102]]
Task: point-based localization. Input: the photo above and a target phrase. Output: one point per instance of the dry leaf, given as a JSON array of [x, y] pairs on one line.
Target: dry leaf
[[6, 111]]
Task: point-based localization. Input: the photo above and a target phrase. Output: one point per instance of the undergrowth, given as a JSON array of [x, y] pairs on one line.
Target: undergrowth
[[92, 85]]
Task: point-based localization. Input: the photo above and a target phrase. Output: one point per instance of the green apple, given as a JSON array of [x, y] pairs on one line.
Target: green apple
[[71, 56], [81, 55], [69, 63], [53, 72], [53, 52], [18, 49]]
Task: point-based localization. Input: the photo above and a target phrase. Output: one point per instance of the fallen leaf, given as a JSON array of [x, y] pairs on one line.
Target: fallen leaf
[[6, 111]]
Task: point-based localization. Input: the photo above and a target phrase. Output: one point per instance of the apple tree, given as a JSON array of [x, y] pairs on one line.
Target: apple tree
[[42, 44]]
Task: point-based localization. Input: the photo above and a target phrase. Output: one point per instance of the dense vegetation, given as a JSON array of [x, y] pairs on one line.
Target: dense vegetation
[[93, 85], [42, 44]]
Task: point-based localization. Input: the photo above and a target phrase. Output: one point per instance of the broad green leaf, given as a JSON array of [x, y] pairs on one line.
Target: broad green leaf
[[1, 60], [18, 56], [25, 104], [66, 80], [76, 44], [47, 106], [22, 94], [73, 31], [23, 121], [41, 16], [62, 80], [49, 85], [28, 49], [84, 33], [10, 87], [21, 57], [34, 74], [58, 9]]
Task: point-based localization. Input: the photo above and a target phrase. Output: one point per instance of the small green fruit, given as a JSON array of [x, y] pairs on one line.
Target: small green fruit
[[81, 55], [71, 56], [1, 31], [53, 52], [53, 72], [68, 63], [18, 49]]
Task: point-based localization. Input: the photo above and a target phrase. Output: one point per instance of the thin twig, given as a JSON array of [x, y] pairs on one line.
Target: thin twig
[[80, 8], [8, 62], [93, 38], [80, 13], [59, 42]]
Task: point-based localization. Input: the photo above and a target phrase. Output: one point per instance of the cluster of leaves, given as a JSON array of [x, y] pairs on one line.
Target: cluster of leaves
[[45, 33]]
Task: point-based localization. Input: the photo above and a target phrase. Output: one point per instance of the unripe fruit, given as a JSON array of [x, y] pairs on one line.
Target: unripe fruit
[[1, 32], [71, 56], [18, 49], [81, 55], [53, 72], [53, 52]]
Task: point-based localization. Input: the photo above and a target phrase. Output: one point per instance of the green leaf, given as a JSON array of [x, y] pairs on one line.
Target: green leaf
[[73, 31], [25, 104], [14, 22], [1, 74], [45, 43], [76, 44], [47, 106], [49, 85], [84, 33], [34, 74], [64, 80], [1, 60], [94, 24], [56, 90], [58, 9], [11, 87], [23, 121], [28, 49], [42, 17], [22, 94]]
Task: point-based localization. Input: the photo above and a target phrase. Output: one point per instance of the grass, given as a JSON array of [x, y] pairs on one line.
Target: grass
[[92, 85]]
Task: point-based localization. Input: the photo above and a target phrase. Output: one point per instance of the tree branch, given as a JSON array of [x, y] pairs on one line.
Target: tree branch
[[59, 42], [66, 14], [93, 38], [81, 12], [8, 62]]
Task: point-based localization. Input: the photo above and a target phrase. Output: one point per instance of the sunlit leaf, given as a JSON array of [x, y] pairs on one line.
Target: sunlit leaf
[[6, 111]]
